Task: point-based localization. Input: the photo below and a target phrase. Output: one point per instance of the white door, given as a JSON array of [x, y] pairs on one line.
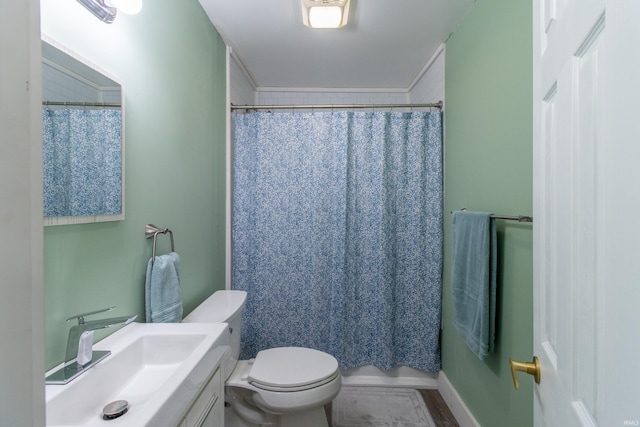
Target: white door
[[586, 212], [21, 235]]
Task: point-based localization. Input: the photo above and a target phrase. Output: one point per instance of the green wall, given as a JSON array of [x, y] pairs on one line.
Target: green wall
[[488, 167], [172, 63]]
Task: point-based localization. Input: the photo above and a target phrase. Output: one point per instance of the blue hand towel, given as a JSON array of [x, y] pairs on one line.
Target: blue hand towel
[[474, 267], [163, 302]]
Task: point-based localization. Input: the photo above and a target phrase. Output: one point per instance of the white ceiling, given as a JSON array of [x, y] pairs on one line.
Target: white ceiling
[[385, 45]]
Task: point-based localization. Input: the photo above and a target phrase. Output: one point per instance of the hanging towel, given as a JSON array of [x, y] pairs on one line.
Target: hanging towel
[[163, 302], [473, 280]]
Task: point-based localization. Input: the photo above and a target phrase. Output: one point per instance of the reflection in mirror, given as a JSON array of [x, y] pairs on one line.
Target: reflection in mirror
[[83, 139]]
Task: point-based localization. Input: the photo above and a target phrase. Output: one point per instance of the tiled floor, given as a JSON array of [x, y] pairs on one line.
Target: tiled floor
[[438, 409]]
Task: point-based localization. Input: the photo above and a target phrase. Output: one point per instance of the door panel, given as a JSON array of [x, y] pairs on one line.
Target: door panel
[[566, 210], [586, 201]]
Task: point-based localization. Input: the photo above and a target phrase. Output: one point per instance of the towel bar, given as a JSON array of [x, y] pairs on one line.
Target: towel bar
[[150, 231], [519, 218]]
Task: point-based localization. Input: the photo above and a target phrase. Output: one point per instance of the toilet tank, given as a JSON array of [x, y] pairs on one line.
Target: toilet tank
[[227, 307]]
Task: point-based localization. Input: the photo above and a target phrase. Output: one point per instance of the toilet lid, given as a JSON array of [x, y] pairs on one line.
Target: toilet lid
[[292, 367]]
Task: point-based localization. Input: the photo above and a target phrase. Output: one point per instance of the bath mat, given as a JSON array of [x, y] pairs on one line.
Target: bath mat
[[379, 406]]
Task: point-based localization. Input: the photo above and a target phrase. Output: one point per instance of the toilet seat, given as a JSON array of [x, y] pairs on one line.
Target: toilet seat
[[289, 369], [298, 388]]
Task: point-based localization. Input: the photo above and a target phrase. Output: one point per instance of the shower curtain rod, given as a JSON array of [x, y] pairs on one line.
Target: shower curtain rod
[[82, 104], [333, 106]]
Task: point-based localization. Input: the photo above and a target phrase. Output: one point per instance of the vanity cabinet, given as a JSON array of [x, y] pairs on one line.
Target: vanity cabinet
[[207, 409]]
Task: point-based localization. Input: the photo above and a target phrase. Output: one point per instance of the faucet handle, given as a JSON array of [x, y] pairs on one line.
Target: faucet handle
[[81, 316]]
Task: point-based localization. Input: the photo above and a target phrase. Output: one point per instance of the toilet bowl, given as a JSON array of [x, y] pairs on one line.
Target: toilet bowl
[[284, 386]]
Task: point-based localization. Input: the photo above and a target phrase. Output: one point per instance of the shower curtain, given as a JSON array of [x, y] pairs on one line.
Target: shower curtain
[[337, 234], [82, 172]]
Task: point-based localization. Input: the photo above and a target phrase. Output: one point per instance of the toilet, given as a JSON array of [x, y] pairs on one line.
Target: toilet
[[284, 386]]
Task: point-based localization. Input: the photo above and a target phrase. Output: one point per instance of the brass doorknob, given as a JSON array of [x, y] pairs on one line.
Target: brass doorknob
[[531, 368]]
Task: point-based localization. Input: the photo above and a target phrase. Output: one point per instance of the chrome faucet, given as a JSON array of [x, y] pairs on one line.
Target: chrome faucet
[[80, 355]]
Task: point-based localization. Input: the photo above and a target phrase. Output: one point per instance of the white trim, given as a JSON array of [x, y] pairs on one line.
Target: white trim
[[74, 75], [21, 256], [227, 243], [456, 405], [406, 90], [402, 382], [428, 65], [399, 377], [85, 219], [439, 51], [240, 65], [331, 89], [95, 69]]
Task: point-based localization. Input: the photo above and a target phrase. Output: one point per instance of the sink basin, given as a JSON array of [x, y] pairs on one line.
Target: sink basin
[[158, 368]]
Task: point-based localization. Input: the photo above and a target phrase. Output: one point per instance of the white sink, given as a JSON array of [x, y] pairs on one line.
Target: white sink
[[158, 368]]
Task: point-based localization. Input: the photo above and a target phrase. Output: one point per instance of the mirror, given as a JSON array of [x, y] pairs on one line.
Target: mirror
[[83, 139]]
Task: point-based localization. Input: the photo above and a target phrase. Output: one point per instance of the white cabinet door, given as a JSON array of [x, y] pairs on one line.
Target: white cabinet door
[[207, 409]]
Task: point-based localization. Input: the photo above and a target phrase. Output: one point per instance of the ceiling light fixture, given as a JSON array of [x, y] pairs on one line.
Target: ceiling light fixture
[[325, 13], [105, 10]]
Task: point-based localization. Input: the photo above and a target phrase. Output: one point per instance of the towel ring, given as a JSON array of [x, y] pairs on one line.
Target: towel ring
[[150, 231]]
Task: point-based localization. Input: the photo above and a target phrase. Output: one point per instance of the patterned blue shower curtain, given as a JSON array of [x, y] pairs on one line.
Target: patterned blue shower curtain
[[82, 152], [337, 234]]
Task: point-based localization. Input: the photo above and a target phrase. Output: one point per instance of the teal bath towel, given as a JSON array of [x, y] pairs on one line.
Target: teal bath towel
[[473, 280], [163, 301]]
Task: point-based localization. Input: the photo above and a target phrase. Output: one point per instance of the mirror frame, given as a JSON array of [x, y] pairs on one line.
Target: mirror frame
[[88, 219]]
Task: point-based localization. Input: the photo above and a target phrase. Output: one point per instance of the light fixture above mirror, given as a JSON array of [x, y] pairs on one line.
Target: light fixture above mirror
[[325, 13], [106, 10]]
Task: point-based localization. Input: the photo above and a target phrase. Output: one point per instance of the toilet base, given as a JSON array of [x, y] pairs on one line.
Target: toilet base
[[231, 419], [312, 418]]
